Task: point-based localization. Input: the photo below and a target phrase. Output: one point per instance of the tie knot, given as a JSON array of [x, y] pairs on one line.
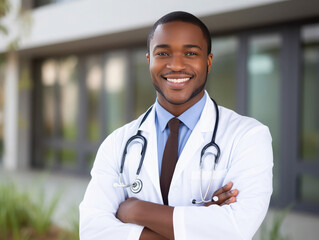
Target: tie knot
[[173, 125]]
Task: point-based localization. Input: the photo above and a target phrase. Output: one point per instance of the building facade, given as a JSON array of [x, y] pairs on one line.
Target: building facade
[[81, 72]]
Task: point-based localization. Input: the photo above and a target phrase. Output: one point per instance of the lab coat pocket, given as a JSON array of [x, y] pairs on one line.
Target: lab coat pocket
[[197, 184]]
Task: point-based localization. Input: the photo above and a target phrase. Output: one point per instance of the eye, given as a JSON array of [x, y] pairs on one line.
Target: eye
[[191, 54], [162, 54]]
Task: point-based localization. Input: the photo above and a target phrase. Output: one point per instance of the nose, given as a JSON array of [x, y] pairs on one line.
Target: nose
[[176, 63]]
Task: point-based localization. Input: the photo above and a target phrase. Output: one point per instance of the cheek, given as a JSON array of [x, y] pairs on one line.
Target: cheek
[[200, 67], [155, 67]]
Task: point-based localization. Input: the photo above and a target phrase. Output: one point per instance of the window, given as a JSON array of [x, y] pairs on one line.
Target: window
[[308, 174], [39, 3], [221, 82], [264, 88], [2, 69], [93, 81], [116, 72], [60, 110], [144, 90], [83, 99]]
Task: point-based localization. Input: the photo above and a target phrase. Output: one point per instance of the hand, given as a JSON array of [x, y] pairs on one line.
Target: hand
[[125, 213], [225, 195]]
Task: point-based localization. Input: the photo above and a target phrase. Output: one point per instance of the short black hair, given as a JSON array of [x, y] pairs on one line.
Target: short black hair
[[180, 16]]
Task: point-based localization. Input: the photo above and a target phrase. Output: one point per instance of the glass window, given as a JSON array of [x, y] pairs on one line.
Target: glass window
[[221, 82], [264, 88], [93, 84], [67, 158], [69, 97], [49, 158], [39, 3], [49, 70], [116, 70], [307, 193], [309, 137], [144, 89], [2, 95]]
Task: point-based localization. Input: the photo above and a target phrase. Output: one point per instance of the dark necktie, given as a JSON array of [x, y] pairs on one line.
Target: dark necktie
[[170, 157]]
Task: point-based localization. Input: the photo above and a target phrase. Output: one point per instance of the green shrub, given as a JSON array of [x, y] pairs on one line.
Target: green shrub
[[23, 217], [274, 232]]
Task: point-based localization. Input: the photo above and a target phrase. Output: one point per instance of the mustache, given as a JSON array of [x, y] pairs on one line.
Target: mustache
[[176, 72]]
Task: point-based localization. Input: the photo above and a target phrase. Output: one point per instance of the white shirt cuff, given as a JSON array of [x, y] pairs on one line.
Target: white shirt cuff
[[178, 223], [135, 232]]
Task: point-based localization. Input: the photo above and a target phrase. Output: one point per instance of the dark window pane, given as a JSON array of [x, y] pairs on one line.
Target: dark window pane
[[49, 72], [308, 192], [67, 158], [90, 159], [264, 89], [144, 90], [221, 82], [116, 68], [93, 84], [39, 3], [49, 158], [2, 70], [69, 97], [309, 137]]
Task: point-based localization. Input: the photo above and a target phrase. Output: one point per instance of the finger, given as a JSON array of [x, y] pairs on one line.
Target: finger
[[226, 196], [223, 189], [229, 201]]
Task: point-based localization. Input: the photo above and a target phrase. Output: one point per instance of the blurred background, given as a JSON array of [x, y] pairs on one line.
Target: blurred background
[[72, 71]]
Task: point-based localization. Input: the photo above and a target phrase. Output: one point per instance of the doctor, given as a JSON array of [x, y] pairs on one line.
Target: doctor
[[179, 60]]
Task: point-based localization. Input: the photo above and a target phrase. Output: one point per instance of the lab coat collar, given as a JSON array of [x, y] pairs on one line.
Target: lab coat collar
[[207, 118]]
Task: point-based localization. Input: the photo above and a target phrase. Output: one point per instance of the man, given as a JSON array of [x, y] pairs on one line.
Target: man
[[169, 202]]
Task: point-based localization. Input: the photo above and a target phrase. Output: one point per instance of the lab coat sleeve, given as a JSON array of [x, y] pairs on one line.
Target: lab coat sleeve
[[250, 170], [102, 199]]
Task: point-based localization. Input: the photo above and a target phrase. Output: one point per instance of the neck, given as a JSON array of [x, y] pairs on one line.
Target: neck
[[178, 109]]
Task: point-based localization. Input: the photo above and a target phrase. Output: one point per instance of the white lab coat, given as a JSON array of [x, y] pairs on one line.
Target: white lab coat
[[246, 160]]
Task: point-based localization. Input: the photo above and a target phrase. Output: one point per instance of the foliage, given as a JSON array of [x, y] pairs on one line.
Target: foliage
[[4, 9], [42, 212], [74, 221], [22, 22], [274, 232], [25, 216]]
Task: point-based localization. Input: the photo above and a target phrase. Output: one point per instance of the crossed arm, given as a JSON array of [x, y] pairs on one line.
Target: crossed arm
[[157, 219]]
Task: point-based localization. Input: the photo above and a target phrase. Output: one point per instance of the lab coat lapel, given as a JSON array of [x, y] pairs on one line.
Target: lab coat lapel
[[189, 153], [197, 139], [150, 165]]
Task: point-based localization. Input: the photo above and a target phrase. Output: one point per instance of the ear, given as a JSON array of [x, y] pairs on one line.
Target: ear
[[209, 61], [148, 57]]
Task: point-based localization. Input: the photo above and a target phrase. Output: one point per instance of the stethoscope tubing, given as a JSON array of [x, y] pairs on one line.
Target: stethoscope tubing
[[139, 136]]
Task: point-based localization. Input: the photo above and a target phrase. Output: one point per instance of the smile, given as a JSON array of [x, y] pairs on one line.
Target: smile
[[178, 80]]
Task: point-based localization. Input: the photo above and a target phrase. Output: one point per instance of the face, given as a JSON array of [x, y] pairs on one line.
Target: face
[[179, 65]]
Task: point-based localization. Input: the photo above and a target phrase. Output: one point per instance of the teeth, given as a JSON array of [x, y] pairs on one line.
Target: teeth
[[178, 80]]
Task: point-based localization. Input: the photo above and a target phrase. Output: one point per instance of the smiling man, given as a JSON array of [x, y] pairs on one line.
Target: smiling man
[[201, 172]]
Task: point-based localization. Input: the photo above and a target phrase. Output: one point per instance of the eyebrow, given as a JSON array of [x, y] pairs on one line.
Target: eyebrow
[[192, 46], [168, 46], [161, 46]]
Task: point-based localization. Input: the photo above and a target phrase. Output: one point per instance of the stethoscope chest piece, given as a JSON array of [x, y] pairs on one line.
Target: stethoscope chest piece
[[136, 186]]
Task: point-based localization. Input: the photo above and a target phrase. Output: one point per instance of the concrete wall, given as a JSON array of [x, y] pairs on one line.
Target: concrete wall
[[74, 20]]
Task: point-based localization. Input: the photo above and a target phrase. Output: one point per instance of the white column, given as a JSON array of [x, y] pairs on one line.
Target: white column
[[10, 156]]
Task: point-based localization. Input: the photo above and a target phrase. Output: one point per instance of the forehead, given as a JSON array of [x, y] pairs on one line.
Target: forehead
[[178, 33]]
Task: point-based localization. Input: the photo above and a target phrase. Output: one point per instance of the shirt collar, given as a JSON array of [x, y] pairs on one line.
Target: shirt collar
[[190, 117]]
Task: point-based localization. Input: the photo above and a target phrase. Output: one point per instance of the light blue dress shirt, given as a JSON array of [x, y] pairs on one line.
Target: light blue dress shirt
[[188, 119]]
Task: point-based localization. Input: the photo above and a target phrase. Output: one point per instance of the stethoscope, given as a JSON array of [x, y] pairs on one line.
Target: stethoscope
[[137, 185]]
